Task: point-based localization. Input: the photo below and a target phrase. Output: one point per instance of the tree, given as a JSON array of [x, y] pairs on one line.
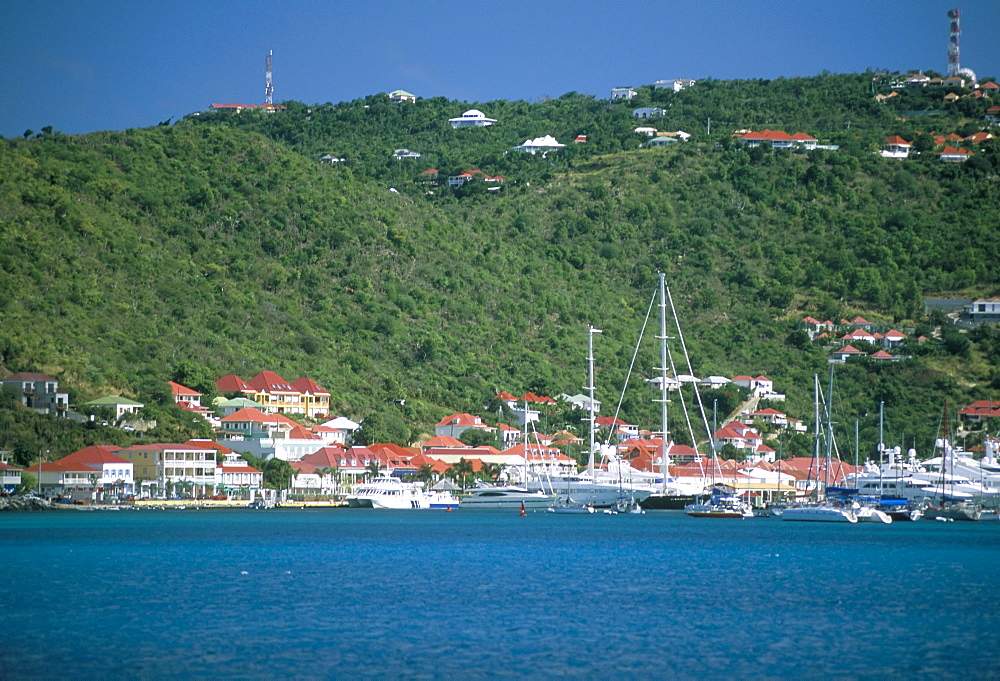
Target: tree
[[491, 471], [278, 474], [373, 469], [28, 133], [425, 473], [462, 470], [476, 437]]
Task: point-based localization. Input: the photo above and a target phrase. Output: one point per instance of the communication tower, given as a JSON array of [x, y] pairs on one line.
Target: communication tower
[[269, 88], [955, 31]]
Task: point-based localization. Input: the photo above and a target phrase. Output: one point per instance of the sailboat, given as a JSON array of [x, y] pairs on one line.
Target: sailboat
[[823, 509], [590, 488], [948, 506]]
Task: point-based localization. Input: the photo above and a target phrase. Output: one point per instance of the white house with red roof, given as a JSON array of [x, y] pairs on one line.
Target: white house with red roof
[[893, 338], [858, 335], [330, 436], [846, 353], [895, 147], [759, 385], [814, 327], [456, 424], [184, 396], [234, 476], [980, 410], [621, 430], [745, 439], [10, 477], [97, 469], [778, 139], [883, 356], [952, 155]]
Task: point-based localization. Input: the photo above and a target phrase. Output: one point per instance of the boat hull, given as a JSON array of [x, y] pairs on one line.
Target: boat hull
[[819, 514], [666, 502], [958, 512], [507, 500]]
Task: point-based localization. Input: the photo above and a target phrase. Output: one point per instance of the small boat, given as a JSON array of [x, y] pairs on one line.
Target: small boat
[[720, 506], [569, 506], [626, 506], [441, 499]]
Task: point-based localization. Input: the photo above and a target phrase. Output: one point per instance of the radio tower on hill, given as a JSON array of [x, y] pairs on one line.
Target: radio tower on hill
[[956, 30], [269, 88]]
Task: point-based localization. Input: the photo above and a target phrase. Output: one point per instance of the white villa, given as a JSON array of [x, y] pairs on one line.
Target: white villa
[[543, 144], [473, 118]]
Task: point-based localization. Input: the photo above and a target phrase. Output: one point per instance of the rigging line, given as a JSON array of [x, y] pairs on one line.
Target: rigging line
[[684, 409], [631, 366], [687, 358]]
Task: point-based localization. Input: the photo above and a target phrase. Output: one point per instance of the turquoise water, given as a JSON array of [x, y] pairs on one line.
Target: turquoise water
[[472, 595]]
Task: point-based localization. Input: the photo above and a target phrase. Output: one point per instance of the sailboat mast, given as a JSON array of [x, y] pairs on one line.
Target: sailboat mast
[[881, 446], [590, 388], [829, 432], [664, 466], [815, 464]]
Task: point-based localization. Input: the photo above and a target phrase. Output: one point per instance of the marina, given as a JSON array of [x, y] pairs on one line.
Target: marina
[[388, 594]]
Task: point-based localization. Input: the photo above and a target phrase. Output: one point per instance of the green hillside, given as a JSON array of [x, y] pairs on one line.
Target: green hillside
[[221, 245]]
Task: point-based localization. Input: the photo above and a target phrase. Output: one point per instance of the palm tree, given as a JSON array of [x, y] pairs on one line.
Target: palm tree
[[463, 468], [425, 473], [373, 469], [491, 471], [337, 475]]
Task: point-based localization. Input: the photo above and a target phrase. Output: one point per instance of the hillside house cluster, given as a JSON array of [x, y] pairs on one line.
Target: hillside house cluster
[[778, 139], [899, 148], [858, 330]]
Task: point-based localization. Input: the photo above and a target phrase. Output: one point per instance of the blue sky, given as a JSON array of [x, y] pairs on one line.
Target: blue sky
[[84, 65]]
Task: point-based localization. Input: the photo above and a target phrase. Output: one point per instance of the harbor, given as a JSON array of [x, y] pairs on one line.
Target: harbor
[[492, 594]]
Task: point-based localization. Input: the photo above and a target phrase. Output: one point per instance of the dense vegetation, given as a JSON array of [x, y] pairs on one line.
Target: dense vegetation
[[221, 245]]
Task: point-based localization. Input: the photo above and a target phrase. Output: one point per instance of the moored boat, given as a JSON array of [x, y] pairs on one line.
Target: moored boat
[[720, 506], [386, 491], [819, 513], [506, 496], [954, 510], [570, 506]]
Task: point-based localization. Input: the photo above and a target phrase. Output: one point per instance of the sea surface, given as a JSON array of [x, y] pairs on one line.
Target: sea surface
[[361, 593]]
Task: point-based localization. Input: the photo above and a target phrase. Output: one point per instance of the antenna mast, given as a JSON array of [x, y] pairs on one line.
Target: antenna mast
[[955, 31], [268, 86]]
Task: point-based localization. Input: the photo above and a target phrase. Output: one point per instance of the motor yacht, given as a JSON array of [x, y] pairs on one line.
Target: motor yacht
[[506, 496]]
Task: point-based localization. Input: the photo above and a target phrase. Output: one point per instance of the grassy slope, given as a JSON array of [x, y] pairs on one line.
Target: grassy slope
[[209, 249]]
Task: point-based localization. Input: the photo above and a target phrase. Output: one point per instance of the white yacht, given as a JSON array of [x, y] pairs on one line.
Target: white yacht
[[915, 482], [385, 491], [820, 513], [506, 496], [584, 489]]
